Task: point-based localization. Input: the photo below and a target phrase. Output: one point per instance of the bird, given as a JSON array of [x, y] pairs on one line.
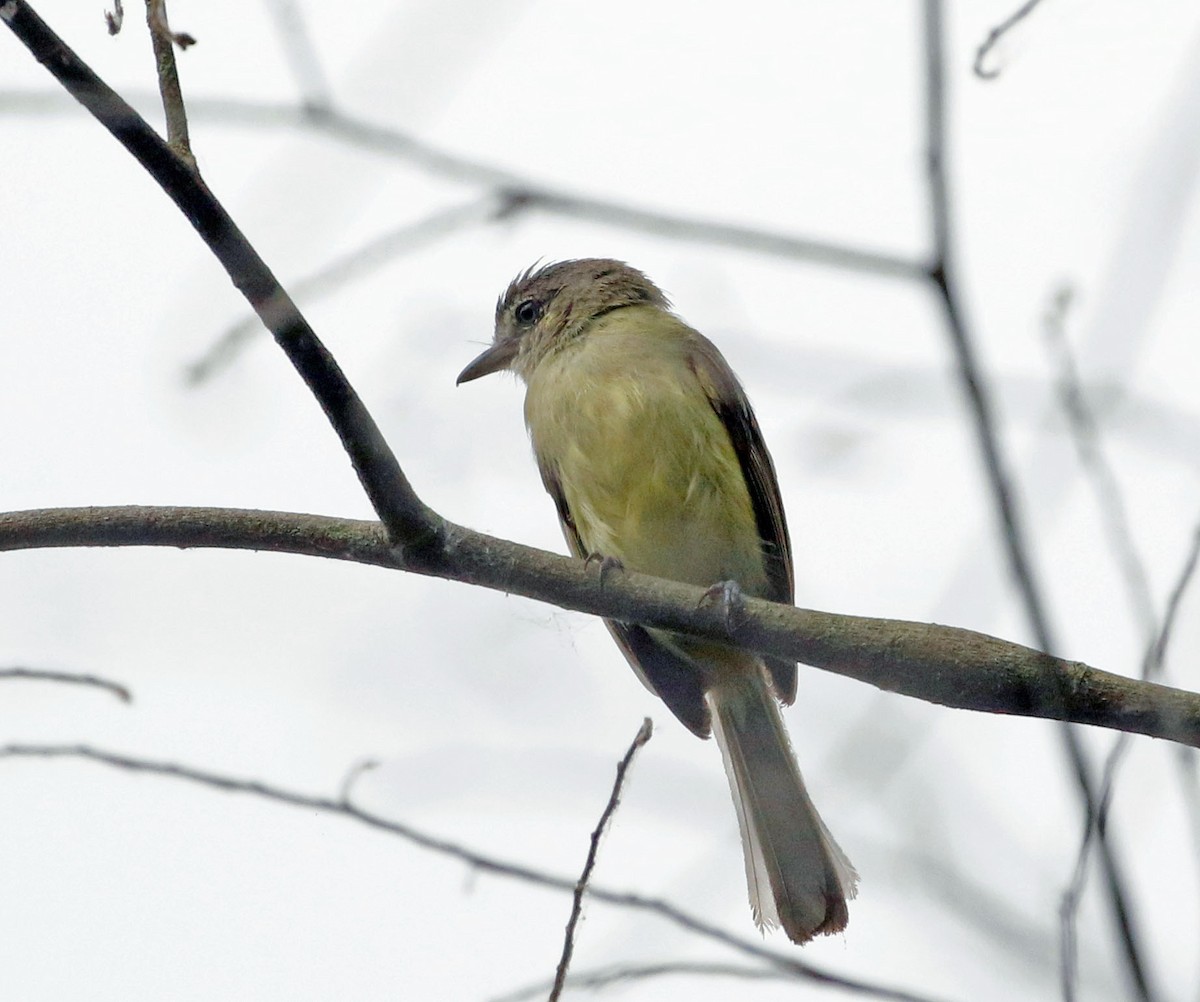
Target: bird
[[647, 444]]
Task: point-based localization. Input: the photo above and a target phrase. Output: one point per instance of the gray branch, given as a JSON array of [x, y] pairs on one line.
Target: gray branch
[[940, 664]]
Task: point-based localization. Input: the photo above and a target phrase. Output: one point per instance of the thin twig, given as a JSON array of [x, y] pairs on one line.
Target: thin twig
[[614, 798], [624, 973], [1086, 436], [300, 53], [164, 41], [1085, 433], [72, 678], [1187, 762], [692, 230], [1157, 653], [1152, 665], [15, 11], [488, 864], [968, 896], [996, 34], [115, 18], [1185, 757], [526, 194], [410, 523], [943, 273], [339, 272], [160, 25], [353, 775]]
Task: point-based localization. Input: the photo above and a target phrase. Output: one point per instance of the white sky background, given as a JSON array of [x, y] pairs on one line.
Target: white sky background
[[497, 722]]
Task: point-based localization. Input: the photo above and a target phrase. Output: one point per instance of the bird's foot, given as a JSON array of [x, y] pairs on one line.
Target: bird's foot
[[727, 595], [607, 564]]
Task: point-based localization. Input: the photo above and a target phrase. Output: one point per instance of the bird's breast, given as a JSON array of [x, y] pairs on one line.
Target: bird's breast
[[647, 469]]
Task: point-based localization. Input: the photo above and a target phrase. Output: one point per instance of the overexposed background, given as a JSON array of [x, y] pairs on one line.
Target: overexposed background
[[497, 722]]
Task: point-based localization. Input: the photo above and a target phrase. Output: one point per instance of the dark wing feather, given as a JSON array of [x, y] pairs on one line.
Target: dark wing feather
[[674, 679], [729, 401]]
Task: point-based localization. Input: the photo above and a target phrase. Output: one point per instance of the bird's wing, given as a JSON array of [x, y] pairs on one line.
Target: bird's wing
[[669, 675], [732, 407]]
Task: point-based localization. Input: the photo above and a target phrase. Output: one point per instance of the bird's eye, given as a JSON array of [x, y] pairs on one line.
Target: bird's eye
[[528, 313]]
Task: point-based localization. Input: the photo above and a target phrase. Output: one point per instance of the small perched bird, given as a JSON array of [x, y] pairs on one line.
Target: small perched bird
[[647, 443]]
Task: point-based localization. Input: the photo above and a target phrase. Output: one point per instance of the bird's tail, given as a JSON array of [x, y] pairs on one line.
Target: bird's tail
[[799, 879]]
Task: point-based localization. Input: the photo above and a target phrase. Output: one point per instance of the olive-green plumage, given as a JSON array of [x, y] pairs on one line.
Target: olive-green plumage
[[644, 464], [648, 445]]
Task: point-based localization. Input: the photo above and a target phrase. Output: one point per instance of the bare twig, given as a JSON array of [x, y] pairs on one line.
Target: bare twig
[[488, 864], [406, 518], [1188, 767], [72, 678], [164, 41], [691, 230], [1086, 435], [353, 775], [337, 273], [115, 18], [995, 35], [581, 885], [943, 273], [622, 973], [1152, 665], [525, 194], [1186, 757], [970, 897], [1157, 653], [409, 522], [156, 14], [300, 53], [941, 664]]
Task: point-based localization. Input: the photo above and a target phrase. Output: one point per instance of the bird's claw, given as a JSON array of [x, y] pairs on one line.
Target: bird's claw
[[728, 595], [607, 564]]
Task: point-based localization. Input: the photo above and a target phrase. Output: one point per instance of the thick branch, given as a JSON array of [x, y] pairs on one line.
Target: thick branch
[[408, 520], [949, 666], [939, 664], [953, 667]]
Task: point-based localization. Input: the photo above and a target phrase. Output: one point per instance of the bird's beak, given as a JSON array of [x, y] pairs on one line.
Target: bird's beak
[[497, 357]]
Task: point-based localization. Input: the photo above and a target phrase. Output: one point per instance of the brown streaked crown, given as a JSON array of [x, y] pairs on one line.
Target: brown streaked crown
[[546, 306]]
